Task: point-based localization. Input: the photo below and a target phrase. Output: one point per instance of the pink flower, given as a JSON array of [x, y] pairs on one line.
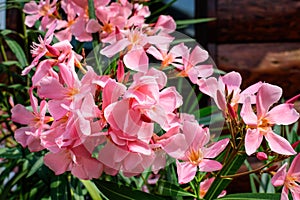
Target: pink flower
[[260, 124], [227, 85], [78, 160], [135, 41], [44, 9], [168, 56], [190, 67], [189, 147], [289, 179], [36, 122], [42, 49]]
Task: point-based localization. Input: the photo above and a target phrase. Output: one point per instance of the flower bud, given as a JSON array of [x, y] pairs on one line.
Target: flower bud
[[261, 156]]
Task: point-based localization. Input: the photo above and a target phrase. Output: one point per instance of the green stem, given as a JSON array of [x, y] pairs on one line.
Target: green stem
[[3, 50], [95, 41]]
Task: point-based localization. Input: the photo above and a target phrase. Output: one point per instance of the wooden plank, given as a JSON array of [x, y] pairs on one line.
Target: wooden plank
[[256, 21], [248, 55]]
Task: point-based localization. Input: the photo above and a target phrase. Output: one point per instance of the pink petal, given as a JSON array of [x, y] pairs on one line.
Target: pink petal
[[170, 99], [215, 149], [279, 178], [198, 55], [204, 70], [114, 48], [139, 147], [250, 91], [175, 146], [253, 140], [295, 166], [58, 162], [136, 60], [93, 26], [166, 22], [31, 8], [31, 19], [185, 171], [207, 165], [284, 194], [275, 115], [111, 92], [232, 80], [155, 53], [247, 113], [267, 95], [21, 115], [279, 144], [195, 135], [51, 88], [208, 86]]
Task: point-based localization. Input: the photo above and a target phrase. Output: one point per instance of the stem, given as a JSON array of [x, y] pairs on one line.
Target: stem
[[95, 41], [3, 50], [248, 172]]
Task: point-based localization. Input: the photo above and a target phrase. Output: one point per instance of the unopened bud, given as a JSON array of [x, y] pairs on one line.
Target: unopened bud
[[261, 156]]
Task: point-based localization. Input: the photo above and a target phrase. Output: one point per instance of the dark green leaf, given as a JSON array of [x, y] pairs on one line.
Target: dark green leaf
[[115, 191], [219, 183], [252, 196], [168, 189], [17, 50], [59, 188], [37, 165], [10, 153]]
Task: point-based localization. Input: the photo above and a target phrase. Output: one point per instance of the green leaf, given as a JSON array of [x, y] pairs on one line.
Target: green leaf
[[17, 50], [219, 183], [252, 196], [194, 21], [10, 153], [168, 189], [114, 191], [59, 188], [37, 165], [92, 189]]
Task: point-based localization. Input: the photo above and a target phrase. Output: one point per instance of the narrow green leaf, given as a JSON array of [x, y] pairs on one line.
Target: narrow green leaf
[[194, 21], [37, 165], [59, 188], [168, 189], [17, 50], [252, 196], [114, 191], [92, 189], [219, 183], [10, 153]]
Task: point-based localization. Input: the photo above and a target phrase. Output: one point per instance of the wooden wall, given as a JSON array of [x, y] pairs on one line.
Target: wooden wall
[[246, 33]]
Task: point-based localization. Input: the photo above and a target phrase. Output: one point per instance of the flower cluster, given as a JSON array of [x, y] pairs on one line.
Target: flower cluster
[[108, 122]]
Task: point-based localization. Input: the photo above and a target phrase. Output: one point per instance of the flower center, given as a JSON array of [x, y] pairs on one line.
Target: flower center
[[195, 156], [264, 125], [291, 182]]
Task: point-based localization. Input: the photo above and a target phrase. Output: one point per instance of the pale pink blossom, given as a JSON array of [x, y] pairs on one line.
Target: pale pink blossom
[[38, 50], [44, 9], [189, 147], [35, 120], [78, 160], [225, 86], [191, 65], [289, 179], [259, 125], [134, 42]]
